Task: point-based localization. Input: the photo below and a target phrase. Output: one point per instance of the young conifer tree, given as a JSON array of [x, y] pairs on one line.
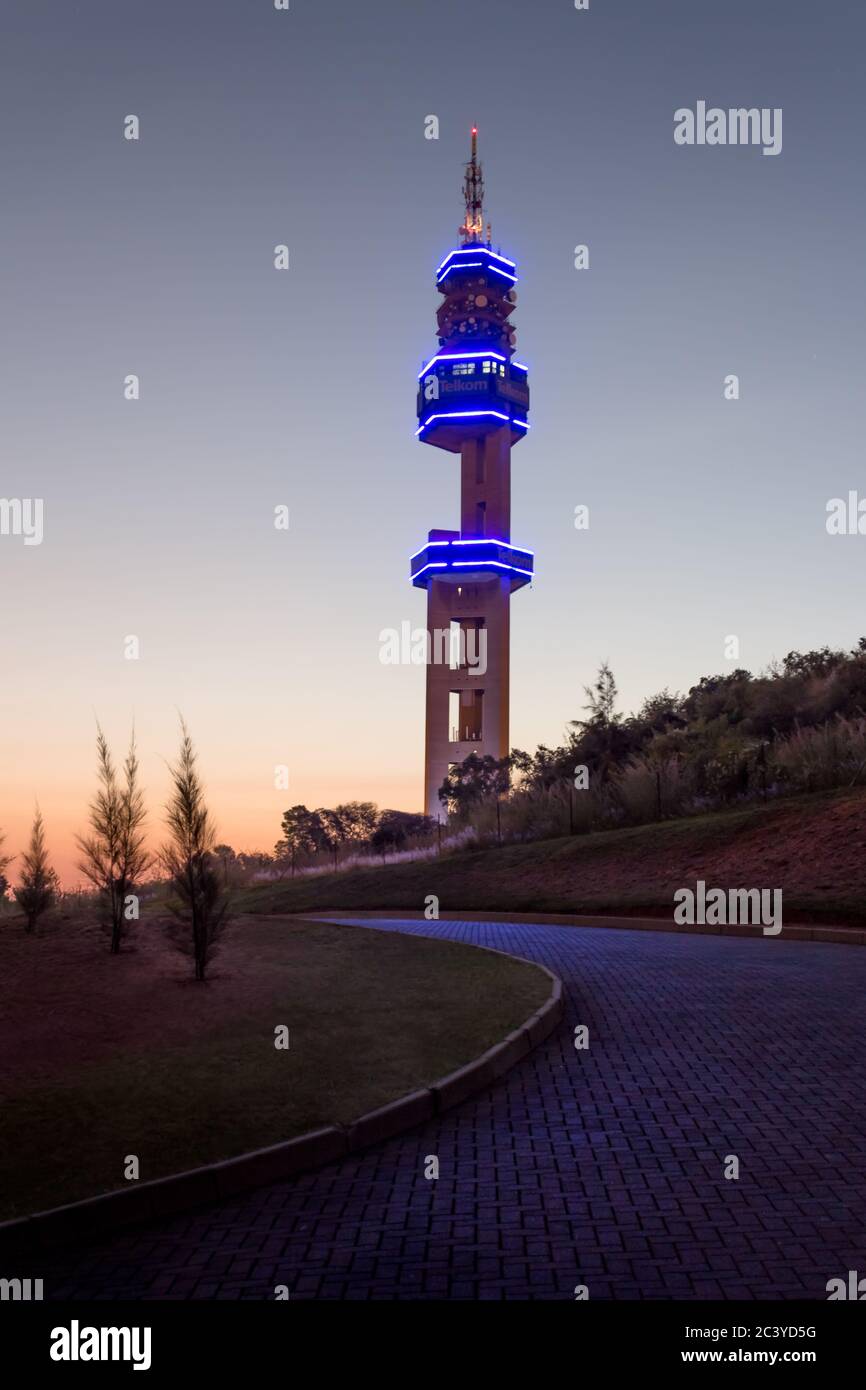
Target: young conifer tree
[[39, 884], [114, 858], [193, 868], [5, 861]]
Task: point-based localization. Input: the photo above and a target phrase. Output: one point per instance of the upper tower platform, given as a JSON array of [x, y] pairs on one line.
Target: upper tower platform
[[472, 385]]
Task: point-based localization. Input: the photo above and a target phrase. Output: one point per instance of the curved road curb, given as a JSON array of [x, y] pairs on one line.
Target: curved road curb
[[100, 1216]]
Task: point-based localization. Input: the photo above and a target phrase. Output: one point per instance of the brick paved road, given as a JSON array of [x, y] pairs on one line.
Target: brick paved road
[[602, 1168]]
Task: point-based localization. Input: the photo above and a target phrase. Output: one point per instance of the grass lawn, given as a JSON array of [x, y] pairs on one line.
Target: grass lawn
[[812, 847], [108, 1056]]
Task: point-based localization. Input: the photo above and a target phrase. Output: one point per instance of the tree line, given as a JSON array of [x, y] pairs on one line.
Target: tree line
[[359, 826], [797, 726], [325, 837]]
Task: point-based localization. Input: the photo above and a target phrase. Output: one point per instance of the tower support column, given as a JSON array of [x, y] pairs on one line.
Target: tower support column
[[485, 486], [467, 704]]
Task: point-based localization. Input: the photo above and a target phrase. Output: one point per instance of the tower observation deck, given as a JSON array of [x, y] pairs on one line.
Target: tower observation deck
[[473, 400]]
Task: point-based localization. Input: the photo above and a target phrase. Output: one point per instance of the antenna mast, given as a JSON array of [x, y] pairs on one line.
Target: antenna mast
[[472, 230]]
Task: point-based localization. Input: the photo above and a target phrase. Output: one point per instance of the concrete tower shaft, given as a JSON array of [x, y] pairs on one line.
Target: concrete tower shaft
[[485, 485]]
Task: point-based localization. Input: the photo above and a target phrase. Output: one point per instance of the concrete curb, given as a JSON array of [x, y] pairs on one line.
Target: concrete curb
[[496, 1061], [399, 1115], [797, 931], [101, 1216]]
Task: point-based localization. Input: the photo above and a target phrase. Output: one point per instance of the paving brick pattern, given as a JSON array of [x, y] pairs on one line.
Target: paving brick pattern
[[602, 1167]]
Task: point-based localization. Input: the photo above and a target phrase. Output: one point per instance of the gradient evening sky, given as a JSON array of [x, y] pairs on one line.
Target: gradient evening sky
[[260, 387]]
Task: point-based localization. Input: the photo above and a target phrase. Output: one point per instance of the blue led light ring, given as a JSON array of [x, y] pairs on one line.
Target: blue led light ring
[[472, 265], [485, 542], [476, 251], [474, 540], [467, 414], [472, 564]]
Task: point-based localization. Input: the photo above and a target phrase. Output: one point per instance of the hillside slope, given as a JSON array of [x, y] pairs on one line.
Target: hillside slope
[[813, 848]]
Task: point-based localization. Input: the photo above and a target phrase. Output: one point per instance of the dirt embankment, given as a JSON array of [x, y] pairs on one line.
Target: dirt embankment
[[813, 848]]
